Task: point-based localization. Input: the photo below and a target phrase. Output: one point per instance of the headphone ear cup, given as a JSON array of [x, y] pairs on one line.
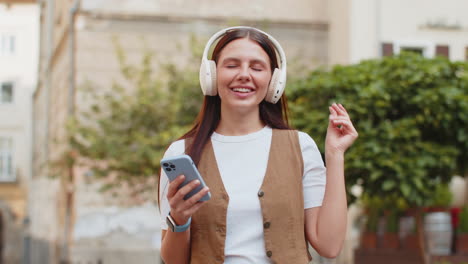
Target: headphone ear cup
[[208, 78], [275, 89], [214, 88]]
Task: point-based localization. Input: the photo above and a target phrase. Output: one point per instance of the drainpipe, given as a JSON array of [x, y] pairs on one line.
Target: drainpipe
[[68, 230], [71, 52], [48, 72]]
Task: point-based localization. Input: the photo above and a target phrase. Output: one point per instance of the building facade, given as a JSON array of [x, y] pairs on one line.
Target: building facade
[[19, 31], [373, 28]]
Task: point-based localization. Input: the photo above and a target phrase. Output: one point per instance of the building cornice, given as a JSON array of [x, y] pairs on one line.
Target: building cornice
[[319, 25]]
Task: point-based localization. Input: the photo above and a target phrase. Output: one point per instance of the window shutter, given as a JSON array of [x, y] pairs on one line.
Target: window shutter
[[387, 49], [442, 50]]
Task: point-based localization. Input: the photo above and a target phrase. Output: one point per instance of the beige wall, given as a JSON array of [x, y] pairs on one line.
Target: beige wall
[[48, 191], [339, 31], [364, 30], [96, 57]]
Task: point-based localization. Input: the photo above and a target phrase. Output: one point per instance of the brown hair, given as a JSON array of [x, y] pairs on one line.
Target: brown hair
[[273, 115]]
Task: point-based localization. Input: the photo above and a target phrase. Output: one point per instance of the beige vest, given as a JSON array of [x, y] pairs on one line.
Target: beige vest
[[281, 200]]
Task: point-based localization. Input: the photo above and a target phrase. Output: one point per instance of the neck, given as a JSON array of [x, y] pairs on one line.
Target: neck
[[238, 123]]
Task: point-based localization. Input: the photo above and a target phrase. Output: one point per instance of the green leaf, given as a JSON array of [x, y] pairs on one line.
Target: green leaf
[[388, 185]]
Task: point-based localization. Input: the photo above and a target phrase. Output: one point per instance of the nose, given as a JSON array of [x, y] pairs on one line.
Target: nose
[[244, 74]]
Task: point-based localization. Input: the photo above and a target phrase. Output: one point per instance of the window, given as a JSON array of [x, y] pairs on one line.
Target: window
[[426, 49], [6, 93], [6, 159], [387, 49], [416, 50], [7, 44]]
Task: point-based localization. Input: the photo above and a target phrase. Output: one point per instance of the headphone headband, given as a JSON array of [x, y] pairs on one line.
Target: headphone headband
[[221, 33], [208, 68]]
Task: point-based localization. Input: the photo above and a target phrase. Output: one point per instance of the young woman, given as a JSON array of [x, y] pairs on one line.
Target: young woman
[[270, 192]]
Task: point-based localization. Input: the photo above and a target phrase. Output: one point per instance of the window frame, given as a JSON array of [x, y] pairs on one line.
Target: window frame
[[8, 44], [428, 48], [2, 83]]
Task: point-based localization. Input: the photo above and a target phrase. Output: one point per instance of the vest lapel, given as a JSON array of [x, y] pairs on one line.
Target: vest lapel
[[208, 228]]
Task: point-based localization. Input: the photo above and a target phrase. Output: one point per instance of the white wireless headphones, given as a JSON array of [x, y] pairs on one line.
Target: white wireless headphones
[[208, 68]]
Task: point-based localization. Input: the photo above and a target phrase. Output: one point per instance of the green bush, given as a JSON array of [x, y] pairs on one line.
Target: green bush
[[372, 221], [410, 113], [392, 222], [463, 221], [373, 210], [442, 197], [127, 127]]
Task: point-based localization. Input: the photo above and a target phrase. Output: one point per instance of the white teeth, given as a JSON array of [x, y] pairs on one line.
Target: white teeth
[[242, 90]]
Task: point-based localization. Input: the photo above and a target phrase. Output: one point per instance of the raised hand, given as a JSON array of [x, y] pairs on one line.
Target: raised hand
[[341, 132]]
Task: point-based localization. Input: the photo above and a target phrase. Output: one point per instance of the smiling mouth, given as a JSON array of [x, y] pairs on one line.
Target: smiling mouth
[[242, 90]]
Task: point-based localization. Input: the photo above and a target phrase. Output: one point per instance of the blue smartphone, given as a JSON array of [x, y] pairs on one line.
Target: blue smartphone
[[183, 164]]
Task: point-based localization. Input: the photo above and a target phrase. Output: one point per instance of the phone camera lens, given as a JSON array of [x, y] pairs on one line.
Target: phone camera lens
[[168, 169], [173, 166], [165, 164]]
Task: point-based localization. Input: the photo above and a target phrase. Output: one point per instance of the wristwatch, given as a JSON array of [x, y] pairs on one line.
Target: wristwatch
[[174, 227]]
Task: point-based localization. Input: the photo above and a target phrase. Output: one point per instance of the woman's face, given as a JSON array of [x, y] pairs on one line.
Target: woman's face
[[243, 74]]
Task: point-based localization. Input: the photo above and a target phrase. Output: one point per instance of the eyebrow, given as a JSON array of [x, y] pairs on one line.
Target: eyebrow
[[228, 59]]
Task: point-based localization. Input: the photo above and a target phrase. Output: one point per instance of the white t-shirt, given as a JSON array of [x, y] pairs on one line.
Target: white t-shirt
[[242, 163]]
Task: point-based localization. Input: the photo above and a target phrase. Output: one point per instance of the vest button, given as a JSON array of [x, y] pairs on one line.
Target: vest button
[[261, 193], [266, 225], [269, 253]]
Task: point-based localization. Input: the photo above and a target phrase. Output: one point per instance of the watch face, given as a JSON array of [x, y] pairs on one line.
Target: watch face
[[170, 223], [174, 227]]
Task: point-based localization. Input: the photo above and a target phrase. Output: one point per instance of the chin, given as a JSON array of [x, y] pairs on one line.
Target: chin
[[243, 105]]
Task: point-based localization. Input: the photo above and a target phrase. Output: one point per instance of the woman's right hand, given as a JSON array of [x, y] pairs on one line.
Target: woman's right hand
[[182, 210]]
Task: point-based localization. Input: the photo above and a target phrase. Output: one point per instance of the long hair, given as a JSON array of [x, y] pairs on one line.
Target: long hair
[[273, 115]]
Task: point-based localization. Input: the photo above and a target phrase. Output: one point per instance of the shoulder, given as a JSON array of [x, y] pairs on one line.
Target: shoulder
[[310, 152], [176, 148], [306, 141]]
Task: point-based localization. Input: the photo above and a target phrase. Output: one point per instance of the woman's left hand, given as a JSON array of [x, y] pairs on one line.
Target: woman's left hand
[[341, 132]]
